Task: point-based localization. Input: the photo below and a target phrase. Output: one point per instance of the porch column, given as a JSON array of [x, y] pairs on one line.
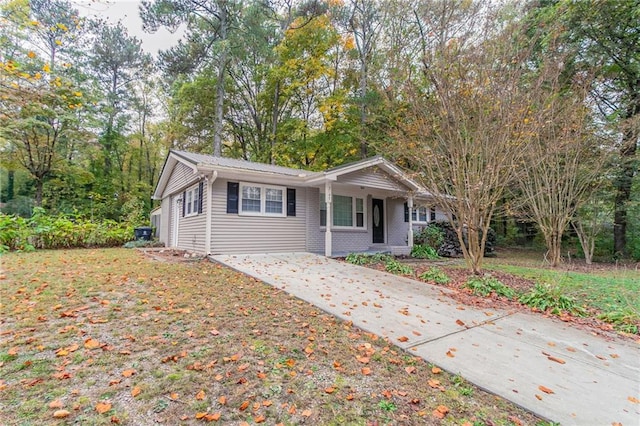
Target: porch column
[[410, 207], [209, 190], [327, 234]]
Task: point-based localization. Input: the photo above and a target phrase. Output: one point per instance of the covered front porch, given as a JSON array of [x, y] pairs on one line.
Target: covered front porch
[[362, 209]]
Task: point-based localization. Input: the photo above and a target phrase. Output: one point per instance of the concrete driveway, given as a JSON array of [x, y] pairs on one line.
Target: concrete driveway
[[594, 381]]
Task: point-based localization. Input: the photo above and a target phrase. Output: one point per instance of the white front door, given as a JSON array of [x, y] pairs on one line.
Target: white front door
[[177, 212]]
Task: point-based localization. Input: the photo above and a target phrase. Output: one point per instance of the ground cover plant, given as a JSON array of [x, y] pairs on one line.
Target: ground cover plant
[[112, 336], [601, 296]]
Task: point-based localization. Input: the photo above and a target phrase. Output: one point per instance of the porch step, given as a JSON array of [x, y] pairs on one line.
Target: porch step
[[394, 250]]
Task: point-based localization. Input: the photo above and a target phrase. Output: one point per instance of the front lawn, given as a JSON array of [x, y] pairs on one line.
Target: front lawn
[[114, 337]]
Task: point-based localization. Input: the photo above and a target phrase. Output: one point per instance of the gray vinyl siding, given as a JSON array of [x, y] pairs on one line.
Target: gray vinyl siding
[[315, 238], [192, 228], [182, 176], [344, 241], [165, 221], [397, 228], [372, 177], [234, 234]]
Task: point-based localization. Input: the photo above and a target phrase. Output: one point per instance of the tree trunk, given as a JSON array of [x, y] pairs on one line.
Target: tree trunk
[[39, 186], [10, 185], [220, 89], [274, 122], [363, 108], [553, 241], [623, 182]]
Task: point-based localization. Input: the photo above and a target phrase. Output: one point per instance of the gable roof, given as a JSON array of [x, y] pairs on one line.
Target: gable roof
[[209, 160], [206, 164]]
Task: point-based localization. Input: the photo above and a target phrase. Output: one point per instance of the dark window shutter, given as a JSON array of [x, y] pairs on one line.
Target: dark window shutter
[[291, 201], [184, 203], [432, 215], [200, 188], [233, 189], [406, 212]]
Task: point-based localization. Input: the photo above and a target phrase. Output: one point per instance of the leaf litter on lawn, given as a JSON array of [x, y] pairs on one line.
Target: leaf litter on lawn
[[133, 336]]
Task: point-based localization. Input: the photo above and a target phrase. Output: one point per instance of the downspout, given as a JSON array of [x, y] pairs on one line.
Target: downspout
[[178, 215], [327, 235], [410, 207], [209, 185]]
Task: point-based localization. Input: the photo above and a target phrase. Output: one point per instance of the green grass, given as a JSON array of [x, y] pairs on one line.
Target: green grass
[[613, 292], [196, 326]]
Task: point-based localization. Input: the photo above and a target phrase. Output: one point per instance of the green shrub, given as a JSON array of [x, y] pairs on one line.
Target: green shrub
[[430, 236], [367, 259], [43, 231], [435, 275], [395, 267], [484, 286], [424, 252], [547, 298], [14, 234]]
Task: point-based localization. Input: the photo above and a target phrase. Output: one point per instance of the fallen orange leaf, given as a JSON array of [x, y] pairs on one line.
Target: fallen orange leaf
[[103, 407], [363, 359], [634, 400], [545, 389], [330, 390], [222, 400], [267, 403], [460, 323], [539, 397], [129, 372], [410, 369], [91, 343], [260, 419], [213, 417], [307, 413], [200, 415], [244, 405], [403, 338], [558, 360], [201, 395], [436, 370], [56, 403], [433, 383], [136, 391], [450, 354], [173, 396], [441, 411], [61, 414], [366, 371], [13, 351]]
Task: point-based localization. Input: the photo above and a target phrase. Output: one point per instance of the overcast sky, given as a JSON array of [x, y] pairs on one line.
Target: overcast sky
[[127, 12]]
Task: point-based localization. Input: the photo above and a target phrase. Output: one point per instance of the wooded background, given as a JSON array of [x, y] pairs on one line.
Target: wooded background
[[527, 113]]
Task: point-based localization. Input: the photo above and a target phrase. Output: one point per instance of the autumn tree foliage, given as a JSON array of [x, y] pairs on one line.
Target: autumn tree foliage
[[464, 134], [38, 99], [563, 159]]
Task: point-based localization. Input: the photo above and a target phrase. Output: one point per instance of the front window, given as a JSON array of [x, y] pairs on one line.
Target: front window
[[273, 201], [251, 199], [348, 212], [419, 214], [262, 200], [192, 201]]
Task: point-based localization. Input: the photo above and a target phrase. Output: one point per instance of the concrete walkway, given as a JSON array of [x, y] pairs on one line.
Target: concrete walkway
[[594, 381]]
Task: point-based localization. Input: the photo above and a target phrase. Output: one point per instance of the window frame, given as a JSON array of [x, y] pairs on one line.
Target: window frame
[[354, 212], [192, 201], [415, 214], [263, 199]]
